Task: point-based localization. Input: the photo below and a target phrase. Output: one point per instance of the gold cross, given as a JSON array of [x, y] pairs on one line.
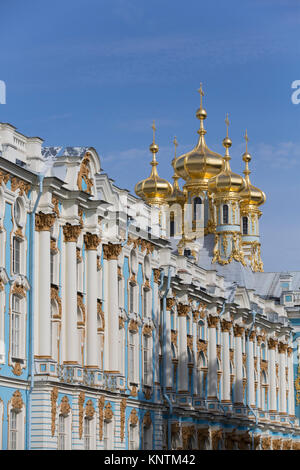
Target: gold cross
[[246, 139], [201, 94], [227, 123], [176, 145], [154, 129]]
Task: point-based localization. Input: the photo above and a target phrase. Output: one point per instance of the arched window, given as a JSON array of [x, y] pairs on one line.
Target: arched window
[[147, 360], [225, 214], [201, 330], [197, 208], [16, 327], [131, 356], [172, 226], [108, 435], [16, 258], [13, 430], [54, 331], [245, 225]]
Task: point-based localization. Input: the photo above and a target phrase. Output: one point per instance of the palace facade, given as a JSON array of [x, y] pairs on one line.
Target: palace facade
[[140, 322]]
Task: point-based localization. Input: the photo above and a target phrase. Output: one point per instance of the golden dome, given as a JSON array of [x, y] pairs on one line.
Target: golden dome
[[177, 195], [154, 190], [250, 195], [200, 164], [226, 181]]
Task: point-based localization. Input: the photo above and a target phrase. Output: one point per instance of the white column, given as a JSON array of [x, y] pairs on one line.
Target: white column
[[156, 306], [43, 224], [195, 368], [212, 322], [182, 311], [282, 377], [225, 327], [168, 359], [272, 374], [111, 253], [250, 378], [290, 364], [238, 389], [259, 340], [92, 353], [71, 233]]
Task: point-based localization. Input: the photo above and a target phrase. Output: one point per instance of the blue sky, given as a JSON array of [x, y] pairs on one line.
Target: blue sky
[[97, 72]]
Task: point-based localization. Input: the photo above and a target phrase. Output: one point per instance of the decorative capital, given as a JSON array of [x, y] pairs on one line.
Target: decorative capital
[[212, 321], [183, 310], [282, 347], [238, 330], [71, 232], [226, 326], [111, 251], [272, 343], [17, 183], [44, 222], [91, 241], [170, 303]]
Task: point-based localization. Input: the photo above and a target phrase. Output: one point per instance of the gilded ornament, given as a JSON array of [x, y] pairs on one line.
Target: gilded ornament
[[91, 241], [108, 412], [89, 409], [212, 321], [54, 396], [266, 443], [170, 303], [183, 310], [286, 444], [17, 370], [175, 428], [53, 246], [84, 174], [133, 391], [174, 337], [18, 290], [216, 437], [244, 441], [121, 323], [156, 275], [55, 203], [133, 326], [4, 177], [111, 251], [71, 232], [147, 330], [123, 405], [272, 343], [282, 348], [226, 326], [202, 436], [133, 418], [17, 401], [101, 403], [81, 400], [189, 340], [65, 406], [187, 432], [238, 330], [44, 222], [17, 183], [276, 444], [81, 306]]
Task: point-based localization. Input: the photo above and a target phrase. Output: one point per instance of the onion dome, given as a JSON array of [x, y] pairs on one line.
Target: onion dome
[[226, 181], [250, 195], [200, 164], [177, 195], [154, 190]]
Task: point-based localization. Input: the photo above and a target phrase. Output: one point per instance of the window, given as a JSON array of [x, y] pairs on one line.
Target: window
[[13, 430], [18, 212], [147, 437], [16, 255], [197, 208], [87, 434], [62, 435], [225, 214], [16, 327], [145, 298], [131, 298], [245, 225], [131, 354], [132, 444], [107, 435], [172, 228], [146, 361]]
